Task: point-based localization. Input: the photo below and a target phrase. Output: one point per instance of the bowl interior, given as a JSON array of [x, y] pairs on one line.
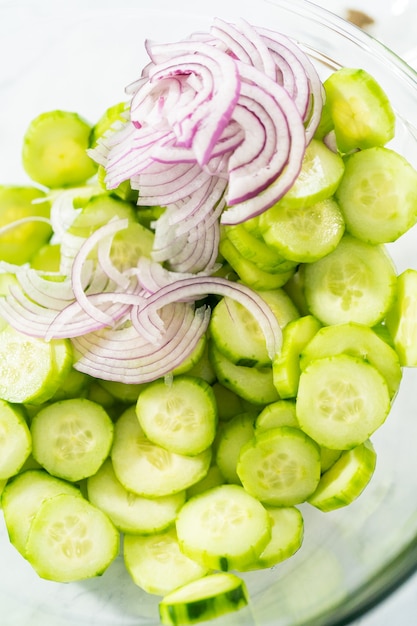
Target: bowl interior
[[79, 56]]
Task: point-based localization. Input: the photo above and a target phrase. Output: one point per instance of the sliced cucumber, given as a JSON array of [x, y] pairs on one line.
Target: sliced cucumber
[[98, 211], [254, 384], [210, 597], [234, 434], [354, 283], [72, 438], [286, 364], [237, 333], [318, 179], [401, 319], [280, 466], [15, 439], [346, 479], [287, 527], [304, 234], [70, 539], [378, 195], [360, 109], [148, 469], [180, 415], [156, 563], [223, 528], [357, 340], [55, 149], [129, 512], [279, 413], [22, 498], [250, 273], [341, 401]]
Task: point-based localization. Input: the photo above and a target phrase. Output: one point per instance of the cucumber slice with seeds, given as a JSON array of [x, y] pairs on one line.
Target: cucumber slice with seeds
[[129, 512], [346, 479], [15, 439], [232, 437], [354, 283], [341, 401], [72, 438], [224, 528], [180, 416], [210, 597], [148, 469], [70, 540], [280, 466], [156, 563]]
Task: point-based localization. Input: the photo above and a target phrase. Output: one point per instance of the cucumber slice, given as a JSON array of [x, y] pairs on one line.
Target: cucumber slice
[[304, 234], [28, 372], [19, 244], [401, 319], [210, 597], [346, 479], [180, 416], [318, 179], [237, 334], [254, 384], [359, 341], [72, 438], [354, 283], [232, 437], [22, 497], [228, 402], [129, 512], [112, 116], [250, 273], [98, 211], [276, 414], [15, 439], [255, 250], [223, 528], [286, 365], [156, 563], [341, 401], [287, 528], [378, 195], [148, 469], [70, 540], [361, 112], [280, 466], [55, 150]]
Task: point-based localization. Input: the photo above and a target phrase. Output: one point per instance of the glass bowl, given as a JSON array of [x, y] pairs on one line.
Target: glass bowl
[[79, 56]]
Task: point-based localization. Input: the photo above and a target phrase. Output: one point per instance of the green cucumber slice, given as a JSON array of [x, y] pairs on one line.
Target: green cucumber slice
[[232, 437], [156, 563], [287, 528], [341, 401], [362, 114], [346, 479], [304, 234], [210, 597], [71, 540], [357, 340], [255, 250], [378, 195], [180, 415], [354, 283], [401, 319], [250, 273], [286, 364], [55, 149], [147, 469], [280, 466], [237, 334], [129, 512], [72, 438], [279, 413], [224, 528], [254, 384], [15, 439], [318, 179], [22, 498]]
